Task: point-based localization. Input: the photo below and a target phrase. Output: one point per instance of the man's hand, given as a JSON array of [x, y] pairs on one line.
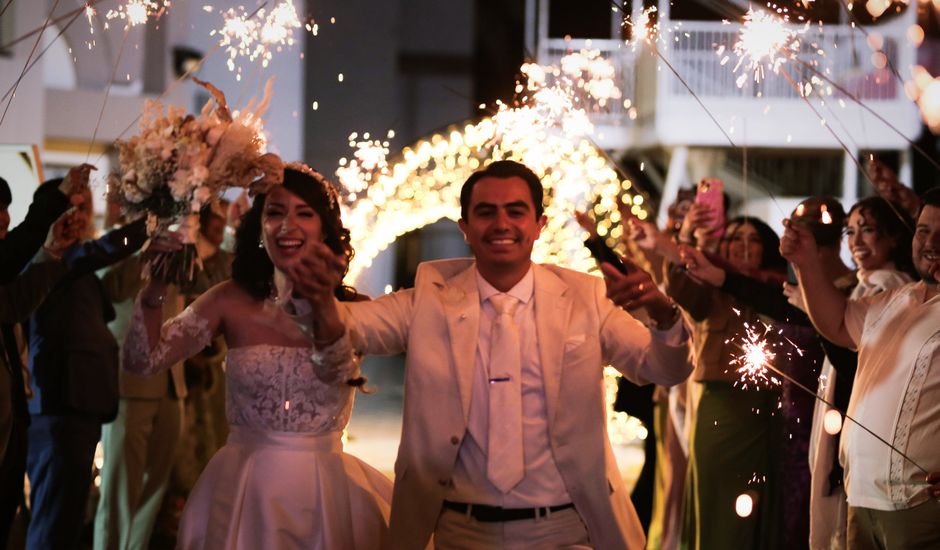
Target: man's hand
[[699, 266], [75, 183], [798, 246], [636, 289], [59, 238], [933, 478], [162, 242], [794, 296], [645, 234], [888, 186], [586, 223]]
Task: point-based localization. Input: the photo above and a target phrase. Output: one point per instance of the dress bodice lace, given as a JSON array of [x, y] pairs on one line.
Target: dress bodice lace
[[293, 389], [283, 388]]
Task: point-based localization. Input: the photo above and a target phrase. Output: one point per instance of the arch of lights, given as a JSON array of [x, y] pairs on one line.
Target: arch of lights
[[423, 186]]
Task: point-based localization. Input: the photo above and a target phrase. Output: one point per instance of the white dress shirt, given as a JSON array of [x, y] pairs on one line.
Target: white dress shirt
[[896, 395], [542, 484]]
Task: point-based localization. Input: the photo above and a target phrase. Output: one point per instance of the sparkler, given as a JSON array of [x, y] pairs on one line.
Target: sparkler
[[755, 357], [5, 6], [28, 59], [918, 83], [645, 29], [107, 92], [841, 143], [75, 14], [189, 72], [55, 21], [756, 362]]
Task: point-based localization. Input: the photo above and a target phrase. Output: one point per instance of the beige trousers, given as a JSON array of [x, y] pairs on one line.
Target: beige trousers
[[138, 453], [914, 528]]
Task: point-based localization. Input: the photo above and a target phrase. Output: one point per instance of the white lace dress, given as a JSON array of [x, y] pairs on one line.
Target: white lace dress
[[282, 479]]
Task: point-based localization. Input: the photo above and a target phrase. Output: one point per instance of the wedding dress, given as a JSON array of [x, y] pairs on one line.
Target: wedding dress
[[282, 479]]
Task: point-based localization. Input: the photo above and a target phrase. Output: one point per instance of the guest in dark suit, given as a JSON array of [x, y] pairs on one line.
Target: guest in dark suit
[[73, 364], [19, 245], [20, 294]]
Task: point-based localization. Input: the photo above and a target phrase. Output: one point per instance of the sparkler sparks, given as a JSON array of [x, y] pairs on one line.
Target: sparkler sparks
[[765, 41], [645, 28], [755, 357], [136, 12], [257, 35], [369, 160]]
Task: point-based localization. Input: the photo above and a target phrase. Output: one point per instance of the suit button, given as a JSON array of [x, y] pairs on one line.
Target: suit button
[[454, 439], [442, 482]]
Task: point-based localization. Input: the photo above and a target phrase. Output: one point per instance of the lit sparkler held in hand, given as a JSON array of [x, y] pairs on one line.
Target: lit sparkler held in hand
[[756, 368]]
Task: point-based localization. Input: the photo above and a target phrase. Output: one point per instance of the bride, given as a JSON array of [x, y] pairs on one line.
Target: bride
[[282, 479]]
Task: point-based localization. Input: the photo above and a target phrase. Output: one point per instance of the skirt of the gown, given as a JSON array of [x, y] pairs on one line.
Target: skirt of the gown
[[274, 490]]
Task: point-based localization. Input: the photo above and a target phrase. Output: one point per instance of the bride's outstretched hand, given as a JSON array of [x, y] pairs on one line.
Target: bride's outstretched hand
[[317, 274]]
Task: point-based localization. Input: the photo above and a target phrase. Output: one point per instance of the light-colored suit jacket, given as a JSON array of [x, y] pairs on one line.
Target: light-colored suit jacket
[[579, 331]]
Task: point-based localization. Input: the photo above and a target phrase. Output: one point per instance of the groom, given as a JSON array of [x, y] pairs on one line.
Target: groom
[[504, 439]]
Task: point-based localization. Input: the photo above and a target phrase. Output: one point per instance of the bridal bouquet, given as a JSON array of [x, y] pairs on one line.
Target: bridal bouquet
[[178, 163]]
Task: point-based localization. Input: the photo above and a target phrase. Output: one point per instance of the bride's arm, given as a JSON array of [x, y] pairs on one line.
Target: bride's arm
[[150, 348], [337, 362]]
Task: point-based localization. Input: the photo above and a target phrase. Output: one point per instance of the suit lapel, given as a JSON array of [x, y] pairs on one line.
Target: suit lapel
[[552, 311], [461, 300]]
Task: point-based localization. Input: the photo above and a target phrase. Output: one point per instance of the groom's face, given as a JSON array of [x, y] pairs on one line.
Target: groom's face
[[501, 225]]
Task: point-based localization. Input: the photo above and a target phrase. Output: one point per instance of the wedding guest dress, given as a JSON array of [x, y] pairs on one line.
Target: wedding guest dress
[[282, 479]]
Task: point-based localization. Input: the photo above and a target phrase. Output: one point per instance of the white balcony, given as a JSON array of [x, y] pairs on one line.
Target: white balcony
[[770, 113]]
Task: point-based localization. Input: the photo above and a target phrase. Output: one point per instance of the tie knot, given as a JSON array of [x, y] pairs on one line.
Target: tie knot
[[504, 303]]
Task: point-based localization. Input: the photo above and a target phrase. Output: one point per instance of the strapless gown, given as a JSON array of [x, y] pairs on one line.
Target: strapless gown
[[282, 480]]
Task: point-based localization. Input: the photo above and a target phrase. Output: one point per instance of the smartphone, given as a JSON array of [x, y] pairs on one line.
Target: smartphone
[[791, 275], [711, 192], [603, 253]]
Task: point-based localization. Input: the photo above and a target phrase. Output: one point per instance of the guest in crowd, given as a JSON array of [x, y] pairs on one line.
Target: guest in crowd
[[19, 296], [761, 291], [896, 393], [73, 365], [878, 235], [139, 444], [205, 427]]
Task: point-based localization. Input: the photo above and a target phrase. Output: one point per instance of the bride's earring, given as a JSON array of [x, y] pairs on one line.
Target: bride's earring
[[260, 242]]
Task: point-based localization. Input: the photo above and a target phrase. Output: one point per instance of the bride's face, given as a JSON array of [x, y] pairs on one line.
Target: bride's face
[[288, 224]]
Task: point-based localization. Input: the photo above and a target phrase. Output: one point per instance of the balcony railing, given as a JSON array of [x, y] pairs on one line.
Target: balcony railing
[[840, 52]]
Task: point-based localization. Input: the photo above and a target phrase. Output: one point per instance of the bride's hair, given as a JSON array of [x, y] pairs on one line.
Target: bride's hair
[[253, 270]]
